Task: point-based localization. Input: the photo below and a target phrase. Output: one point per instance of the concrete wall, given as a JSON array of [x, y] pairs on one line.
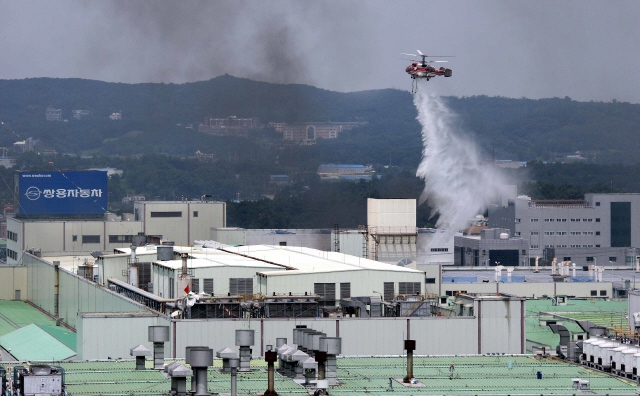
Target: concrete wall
[[13, 278]]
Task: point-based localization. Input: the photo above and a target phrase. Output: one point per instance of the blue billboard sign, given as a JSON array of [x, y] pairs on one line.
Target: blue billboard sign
[[62, 193]]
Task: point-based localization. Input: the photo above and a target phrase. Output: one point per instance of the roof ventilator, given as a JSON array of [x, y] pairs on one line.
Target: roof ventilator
[[200, 359], [245, 339], [140, 352], [158, 335], [178, 373]]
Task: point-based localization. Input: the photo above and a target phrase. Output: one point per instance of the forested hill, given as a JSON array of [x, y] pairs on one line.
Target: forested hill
[[154, 116]]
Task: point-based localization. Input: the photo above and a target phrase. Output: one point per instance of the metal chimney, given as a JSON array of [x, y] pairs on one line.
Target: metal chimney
[[140, 352], [245, 340], [296, 335], [234, 363], [270, 357], [158, 335], [187, 360], [410, 346], [200, 359]]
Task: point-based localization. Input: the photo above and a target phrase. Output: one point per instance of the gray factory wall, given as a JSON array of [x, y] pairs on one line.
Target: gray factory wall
[[100, 336], [41, 280], [501, 315], [13, 281], [384, 336], [532, 289], [76, 294]]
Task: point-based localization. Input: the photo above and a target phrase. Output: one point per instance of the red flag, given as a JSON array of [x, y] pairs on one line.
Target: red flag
[[186, 289]]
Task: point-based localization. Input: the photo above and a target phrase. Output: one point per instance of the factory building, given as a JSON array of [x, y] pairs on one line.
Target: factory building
[[494, 247], [599, 221], [311, 238], [180, 221]]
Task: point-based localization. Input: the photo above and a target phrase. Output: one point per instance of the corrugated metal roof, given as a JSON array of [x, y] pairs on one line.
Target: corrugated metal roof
[[17, 314], [602, 312], [473, 375], [34, 343], [307, 260]]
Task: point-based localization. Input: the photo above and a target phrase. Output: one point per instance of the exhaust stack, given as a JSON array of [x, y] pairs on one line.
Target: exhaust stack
[[245, 340], [158, 335], [200, 359], [270, 357], [410, 346], [234, 363]]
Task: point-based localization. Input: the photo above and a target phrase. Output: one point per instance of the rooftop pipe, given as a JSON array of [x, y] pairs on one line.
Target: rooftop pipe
[[270, 357], [410, 346]]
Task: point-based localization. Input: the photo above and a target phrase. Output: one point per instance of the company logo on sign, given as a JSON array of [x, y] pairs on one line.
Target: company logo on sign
[[33, 193]]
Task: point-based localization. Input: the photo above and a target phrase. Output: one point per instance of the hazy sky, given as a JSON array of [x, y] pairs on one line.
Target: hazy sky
[[588, 50]]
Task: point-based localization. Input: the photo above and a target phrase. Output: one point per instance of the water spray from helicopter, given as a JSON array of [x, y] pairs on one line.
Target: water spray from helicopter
[[457, 185]]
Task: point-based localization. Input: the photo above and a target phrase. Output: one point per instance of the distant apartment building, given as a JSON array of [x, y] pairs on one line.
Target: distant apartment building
[[230, 126], [309, 132], [53, 114], [115, 116], [345, 171], [26, 145], [80, 114]]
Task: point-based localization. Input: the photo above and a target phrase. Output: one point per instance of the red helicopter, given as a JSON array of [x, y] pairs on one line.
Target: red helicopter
[[422, 69]]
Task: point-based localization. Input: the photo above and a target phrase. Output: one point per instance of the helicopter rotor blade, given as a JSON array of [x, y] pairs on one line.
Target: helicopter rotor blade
[[421, 54], [402, 53]]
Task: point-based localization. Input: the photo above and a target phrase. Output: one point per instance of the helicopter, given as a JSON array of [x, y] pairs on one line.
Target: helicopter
[[422, 69]]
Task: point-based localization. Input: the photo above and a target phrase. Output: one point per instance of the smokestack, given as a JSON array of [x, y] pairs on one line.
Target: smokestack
[[158, 335], [410, 346], [270, 357]]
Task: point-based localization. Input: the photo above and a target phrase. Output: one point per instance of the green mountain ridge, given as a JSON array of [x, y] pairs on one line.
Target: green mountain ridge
[[517, 129]]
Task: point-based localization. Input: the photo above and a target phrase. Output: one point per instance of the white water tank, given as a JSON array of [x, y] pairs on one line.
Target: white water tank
[[616, 356], [627, 359], [605, 353], [504, 235]]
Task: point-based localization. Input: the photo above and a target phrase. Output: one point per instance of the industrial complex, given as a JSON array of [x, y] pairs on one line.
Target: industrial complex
[[169, 300]]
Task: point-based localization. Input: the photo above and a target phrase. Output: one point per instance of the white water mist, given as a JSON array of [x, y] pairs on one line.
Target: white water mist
[[457, 185]]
